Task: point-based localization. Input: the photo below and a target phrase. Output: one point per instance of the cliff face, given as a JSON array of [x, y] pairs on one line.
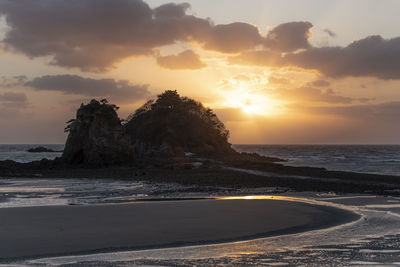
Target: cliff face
[[96, 137]]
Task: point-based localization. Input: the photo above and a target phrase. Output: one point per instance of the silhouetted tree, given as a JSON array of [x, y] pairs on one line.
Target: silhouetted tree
[[179, 122]]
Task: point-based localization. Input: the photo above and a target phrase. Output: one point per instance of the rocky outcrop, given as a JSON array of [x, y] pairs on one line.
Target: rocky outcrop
[[97, 137], [172, 125], [162, 129]]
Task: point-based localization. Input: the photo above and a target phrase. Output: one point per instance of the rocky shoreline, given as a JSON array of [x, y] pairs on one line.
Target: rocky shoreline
[[240, 171], [175, 139]]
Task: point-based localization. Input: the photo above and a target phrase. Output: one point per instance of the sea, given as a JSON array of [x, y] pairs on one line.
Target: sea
[[377, 159], [373, 240]]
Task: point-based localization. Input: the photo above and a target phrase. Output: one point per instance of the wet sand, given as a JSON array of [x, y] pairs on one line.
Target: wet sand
[[63, 230]]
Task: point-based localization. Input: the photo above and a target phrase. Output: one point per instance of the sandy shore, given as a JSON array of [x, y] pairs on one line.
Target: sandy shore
[[62, 230]]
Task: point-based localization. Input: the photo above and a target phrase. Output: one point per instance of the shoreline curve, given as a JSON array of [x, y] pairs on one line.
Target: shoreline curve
[[48, 231]]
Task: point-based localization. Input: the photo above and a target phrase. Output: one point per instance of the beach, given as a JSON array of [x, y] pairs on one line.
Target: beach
[[31, 232]]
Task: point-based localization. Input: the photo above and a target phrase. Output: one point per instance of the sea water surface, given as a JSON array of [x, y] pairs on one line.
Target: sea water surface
[[378, 159], [19, 152], [374, 240]]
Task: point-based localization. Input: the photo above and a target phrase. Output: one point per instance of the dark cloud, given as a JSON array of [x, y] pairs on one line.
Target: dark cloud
[[319, 83], [120, 91], [91, 35], [232, 38], [289, 36], [184, 60], [372, 56], [94, 35], [369, 57], [172, 10], [329, 32]]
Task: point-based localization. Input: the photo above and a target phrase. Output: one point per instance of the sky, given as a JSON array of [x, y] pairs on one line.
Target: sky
[[274, 71]]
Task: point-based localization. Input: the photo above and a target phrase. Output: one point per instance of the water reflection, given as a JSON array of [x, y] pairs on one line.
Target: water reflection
[[371, 240], [375, 238]]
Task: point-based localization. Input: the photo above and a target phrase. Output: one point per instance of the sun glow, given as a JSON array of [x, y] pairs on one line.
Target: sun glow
[[247, 93], [250, 104]]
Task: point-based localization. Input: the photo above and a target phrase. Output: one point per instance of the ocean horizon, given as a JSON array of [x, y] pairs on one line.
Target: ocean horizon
[[376, 159]]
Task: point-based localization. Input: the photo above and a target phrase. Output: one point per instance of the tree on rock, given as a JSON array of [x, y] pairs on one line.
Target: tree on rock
[[96, 136], [172, 125]]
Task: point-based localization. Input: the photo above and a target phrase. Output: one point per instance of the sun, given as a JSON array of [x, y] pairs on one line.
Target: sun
[[248, 94], [249, 108], [250, 104]]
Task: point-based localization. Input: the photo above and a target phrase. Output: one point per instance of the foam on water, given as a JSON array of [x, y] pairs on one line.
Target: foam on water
[[378, 159]]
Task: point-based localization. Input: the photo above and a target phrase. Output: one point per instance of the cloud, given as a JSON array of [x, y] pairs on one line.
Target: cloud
[[184, 60], [289, 36], [278, 80], [12, 103], [232, 38], [259, 58], [13, 97], [372, 56], [172, 10], [120, 91], [319, 83], [95, 35], [329, 32], [242, 77], [381, 112], [311, 94], [12, 82]]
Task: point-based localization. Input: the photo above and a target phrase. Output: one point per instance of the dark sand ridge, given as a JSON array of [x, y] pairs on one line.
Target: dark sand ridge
[[62, 230]]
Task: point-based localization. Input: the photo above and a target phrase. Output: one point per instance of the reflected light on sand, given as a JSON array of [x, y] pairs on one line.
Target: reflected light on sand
[[264, 197]]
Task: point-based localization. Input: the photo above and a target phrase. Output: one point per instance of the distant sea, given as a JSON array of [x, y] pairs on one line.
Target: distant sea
[[379, 159], [19, 153]]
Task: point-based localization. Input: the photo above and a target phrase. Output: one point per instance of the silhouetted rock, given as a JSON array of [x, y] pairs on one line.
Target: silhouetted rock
[[96, 136], [40, 149], [172, 125], [165, 129]]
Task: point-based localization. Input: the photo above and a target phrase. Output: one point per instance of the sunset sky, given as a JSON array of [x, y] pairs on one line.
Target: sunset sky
[[274, 71]]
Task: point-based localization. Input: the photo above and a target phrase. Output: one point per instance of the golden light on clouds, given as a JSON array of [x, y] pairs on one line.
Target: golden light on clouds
[[269, 81], [248, 92]]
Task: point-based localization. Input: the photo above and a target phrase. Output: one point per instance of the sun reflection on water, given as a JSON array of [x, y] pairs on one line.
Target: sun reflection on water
[[257, 197]]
